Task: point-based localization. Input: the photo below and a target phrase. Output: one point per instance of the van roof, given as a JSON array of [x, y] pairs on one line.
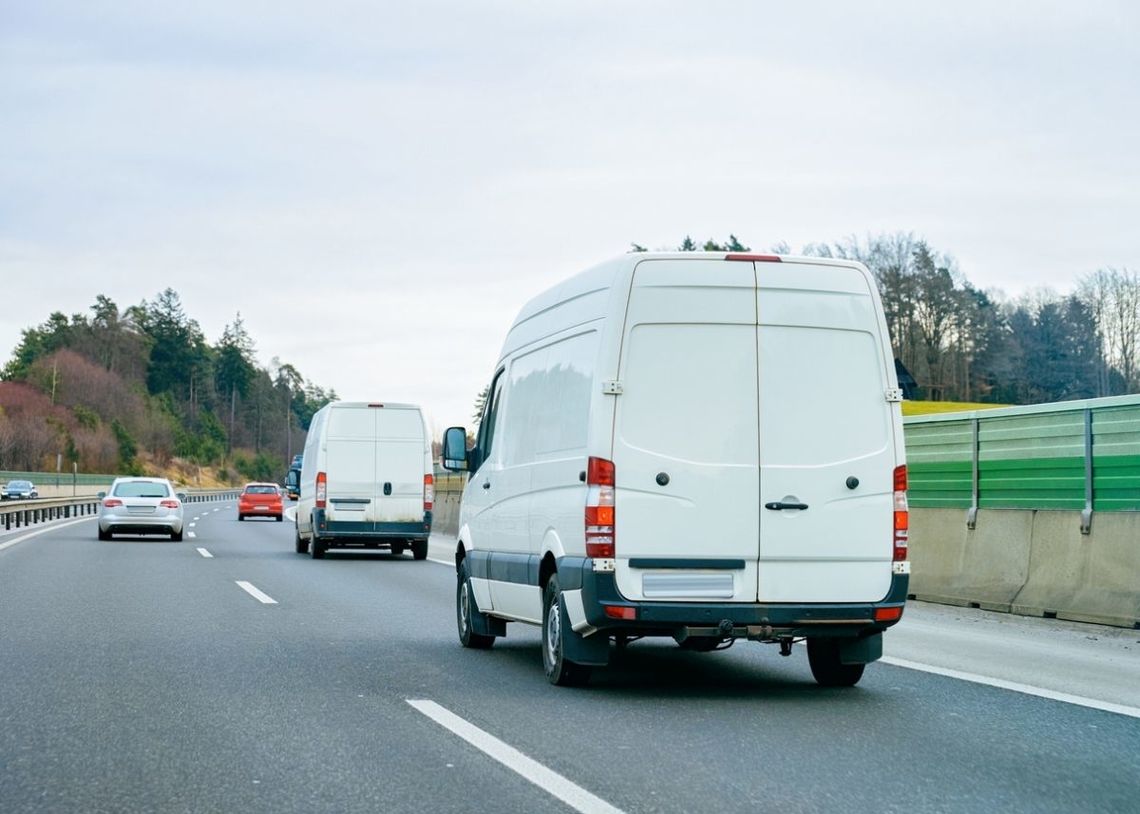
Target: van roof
[[388, 405], [604, 275]]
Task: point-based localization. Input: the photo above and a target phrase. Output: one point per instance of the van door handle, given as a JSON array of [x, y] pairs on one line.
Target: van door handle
[[387, 488], [486, 484], [780, 505]]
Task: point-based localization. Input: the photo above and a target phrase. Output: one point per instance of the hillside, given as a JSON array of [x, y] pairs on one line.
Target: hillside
[[141, 390]]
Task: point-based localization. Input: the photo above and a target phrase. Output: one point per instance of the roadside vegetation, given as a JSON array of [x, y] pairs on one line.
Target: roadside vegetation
[[141, 390]]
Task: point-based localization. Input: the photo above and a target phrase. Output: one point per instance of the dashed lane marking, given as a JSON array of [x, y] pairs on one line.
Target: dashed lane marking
[[260, 596], [205, 553], [546, 779]]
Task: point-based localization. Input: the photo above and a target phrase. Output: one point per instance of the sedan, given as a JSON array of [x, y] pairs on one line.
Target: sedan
[[141, 506], [19, 490], [260, 499]]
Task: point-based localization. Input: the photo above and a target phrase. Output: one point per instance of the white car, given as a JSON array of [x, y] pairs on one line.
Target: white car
[[141, 506]]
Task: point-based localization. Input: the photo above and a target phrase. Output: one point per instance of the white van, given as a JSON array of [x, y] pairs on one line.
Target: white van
[[366, 480], [696, 445]]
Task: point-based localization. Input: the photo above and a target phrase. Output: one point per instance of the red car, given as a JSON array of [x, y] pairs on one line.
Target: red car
[[260, 499]]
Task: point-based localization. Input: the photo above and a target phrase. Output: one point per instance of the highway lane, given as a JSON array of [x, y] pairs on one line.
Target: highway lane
[[138, 676]]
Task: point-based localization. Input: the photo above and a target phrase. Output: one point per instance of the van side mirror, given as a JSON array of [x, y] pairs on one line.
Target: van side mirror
[[454, 455]]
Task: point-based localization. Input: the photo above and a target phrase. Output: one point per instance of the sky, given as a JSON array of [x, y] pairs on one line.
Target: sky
[[378, 187]]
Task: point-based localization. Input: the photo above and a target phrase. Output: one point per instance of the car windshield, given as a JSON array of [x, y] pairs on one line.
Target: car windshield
[[20, 484], [261, 490], [141, 489]]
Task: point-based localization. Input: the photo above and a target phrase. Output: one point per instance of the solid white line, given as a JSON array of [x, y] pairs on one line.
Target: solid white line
[[38, 532], [1040, 692], [263, 598], [205, 553], [546, 779]]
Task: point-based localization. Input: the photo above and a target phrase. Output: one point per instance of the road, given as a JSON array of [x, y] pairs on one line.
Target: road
[[139, 676]]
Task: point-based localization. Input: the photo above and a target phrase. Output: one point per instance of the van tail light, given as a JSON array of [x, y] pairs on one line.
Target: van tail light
[[902, 515], [322, 489], [600, 508], [112, 502], [169, 504], [429, 492]]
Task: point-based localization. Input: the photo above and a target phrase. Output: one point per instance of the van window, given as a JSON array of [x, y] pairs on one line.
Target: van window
[[548, 410], [399, 423], [490, 419], [352, 422]]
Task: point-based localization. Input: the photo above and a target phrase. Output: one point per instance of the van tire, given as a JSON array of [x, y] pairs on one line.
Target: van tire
[[827, 669], [299, 543], [419, 549], [559, 669], [317, 549], [466, 612], [397, 549]]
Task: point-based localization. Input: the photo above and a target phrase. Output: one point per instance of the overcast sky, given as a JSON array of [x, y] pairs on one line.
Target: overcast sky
[[379, 186]]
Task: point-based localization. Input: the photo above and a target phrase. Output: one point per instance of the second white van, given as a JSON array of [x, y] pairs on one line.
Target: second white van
[[366, 480], [694, 445]]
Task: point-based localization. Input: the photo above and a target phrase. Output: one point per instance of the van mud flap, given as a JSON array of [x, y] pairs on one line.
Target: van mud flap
[[593, 650], [861, 651]]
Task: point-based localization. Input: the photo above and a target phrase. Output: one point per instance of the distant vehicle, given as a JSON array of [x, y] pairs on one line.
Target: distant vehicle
[[141, 506], [702, 446], [297, 460], [19, 490], [366, 480], [293, 483], [260, 500]]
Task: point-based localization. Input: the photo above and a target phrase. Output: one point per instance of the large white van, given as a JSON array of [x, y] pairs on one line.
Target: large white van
[[696, 445], [366, 480]]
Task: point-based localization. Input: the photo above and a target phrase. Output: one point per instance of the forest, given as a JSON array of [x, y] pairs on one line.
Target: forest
[[114, 390]]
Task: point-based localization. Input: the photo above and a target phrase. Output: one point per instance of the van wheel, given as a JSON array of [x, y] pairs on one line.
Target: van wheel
[[397, 549], [299, 544], [559, 669], [317, 549], [823, 656], [419, 549], [466, 611]]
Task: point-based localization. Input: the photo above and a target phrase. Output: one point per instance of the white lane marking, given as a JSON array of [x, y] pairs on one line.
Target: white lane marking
[[441, 562], [192, 525], [195, 518], [1027, 689], [263, 598], [205, 553], [38, 532], [191, 535], [546, 779]]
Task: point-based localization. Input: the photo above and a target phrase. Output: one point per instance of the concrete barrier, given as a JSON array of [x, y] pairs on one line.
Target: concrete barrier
[[1029, 562], [984, 567], [1084, 578]]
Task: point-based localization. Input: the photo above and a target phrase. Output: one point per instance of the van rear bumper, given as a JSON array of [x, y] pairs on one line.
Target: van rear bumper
[[362, 531], [739, 619]]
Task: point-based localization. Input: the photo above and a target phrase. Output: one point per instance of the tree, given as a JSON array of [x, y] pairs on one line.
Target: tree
[[687, 245], [233, 367], [480, 403]]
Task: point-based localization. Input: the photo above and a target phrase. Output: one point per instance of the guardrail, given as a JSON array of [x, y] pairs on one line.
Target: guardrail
[[20, 513]]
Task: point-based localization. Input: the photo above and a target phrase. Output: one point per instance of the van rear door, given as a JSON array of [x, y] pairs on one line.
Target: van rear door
[[685, 445], [350, 462], [400, 472], [826, 439]]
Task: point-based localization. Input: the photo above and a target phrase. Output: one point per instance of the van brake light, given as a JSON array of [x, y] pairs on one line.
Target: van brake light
[[429, 492], [600, 508], [757, 258], [902, 516], [322, 489]]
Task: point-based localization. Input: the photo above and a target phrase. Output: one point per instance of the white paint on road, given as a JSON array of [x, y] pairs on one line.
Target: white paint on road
[[261, 597], [546, 779], [192, 525], [441, 562], [205, 553], [191, 535], [38, 532], [291, 513], [1027, 689]]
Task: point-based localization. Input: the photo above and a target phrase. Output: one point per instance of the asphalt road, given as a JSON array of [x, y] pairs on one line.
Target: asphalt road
[[140, 676]]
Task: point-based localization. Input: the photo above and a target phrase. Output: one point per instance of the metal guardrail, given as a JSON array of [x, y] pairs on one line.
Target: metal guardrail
[[20, 513]]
